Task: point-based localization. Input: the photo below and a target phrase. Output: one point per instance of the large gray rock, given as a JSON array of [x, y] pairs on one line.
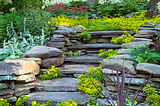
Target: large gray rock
[[22, 89], [43, 52], [47, 63], [11, 99], [122, 56], [119, 63], [58, 85], [149, 68], [42, 97], [134, 44], [4, 85], [18, 67]]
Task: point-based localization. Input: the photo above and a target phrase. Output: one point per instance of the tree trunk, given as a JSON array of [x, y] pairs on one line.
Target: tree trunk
[[152, 8]]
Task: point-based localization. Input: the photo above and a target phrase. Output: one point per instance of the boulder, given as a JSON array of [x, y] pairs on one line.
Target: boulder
[[119, 63], [37, 60], [11, 99], [149, 68], [43, 52], [18, 67], [134, 44], [110, 71], [56, 61]]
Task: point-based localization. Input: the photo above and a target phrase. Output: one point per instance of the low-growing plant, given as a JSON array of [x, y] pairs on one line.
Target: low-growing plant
[[20, 101], [107, 54], [103, 27], [85, 36], [94, 41], [125, 38], [85, 85], [52, 73], [67, 103], [77, 53], [142, 54], [70, 53], [153, 98], [49, 103]]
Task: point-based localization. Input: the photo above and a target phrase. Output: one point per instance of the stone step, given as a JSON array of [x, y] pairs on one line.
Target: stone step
[[75, 69], [84, 59], [95, 46], [109, 32], [42, 97], [57, 85]]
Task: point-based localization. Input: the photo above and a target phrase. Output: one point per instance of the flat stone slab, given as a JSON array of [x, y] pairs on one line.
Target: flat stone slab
[[109, 32], [141, 39], [42, 97], [149, 68], [74, 69], [148, 32], [96, 46], [58, 85], [144, 36], [6, 92], [83, 59]]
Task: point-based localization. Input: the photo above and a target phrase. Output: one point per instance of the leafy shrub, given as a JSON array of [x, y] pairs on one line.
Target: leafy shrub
[[152, 95], [85, 36], [107, 54], [142, 54], [78, 3], [120, 8], [51, 74], [18, 45], [67, 103], [125, 38], [6, 5], [36, 20]]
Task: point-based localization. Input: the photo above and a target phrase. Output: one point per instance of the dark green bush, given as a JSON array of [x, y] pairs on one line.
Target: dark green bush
[[36, 20]]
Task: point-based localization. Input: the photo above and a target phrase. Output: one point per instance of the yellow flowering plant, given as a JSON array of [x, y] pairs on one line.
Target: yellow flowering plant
[[3, 102], [77, 53], [49, 103], [129, 24], [67, 103], [153, 98], [51, 74], [125, 38], [107, 54], [87, 81]]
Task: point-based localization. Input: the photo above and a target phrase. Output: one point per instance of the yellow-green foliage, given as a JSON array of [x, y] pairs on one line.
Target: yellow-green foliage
[[129, 24], [51, 74], [85, 84], [125, 38], [152, 95], [49, 103], [107, 54], [19, 102], [67, 103]]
